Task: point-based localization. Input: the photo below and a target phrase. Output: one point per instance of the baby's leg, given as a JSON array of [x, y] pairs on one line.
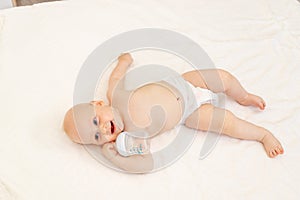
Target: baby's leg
[[218, 80], [210, 118]]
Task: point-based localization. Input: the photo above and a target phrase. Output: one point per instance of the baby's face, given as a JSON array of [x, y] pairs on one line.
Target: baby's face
[[107, 122], [93, 123]]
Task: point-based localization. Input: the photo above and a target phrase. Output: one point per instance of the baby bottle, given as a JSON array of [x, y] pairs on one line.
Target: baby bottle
[[128, 145]]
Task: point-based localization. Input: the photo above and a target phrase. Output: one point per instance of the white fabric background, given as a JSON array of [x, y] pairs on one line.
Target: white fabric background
[[42, 48]]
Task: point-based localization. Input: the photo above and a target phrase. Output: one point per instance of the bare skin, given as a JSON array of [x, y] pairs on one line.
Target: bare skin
[[137, 114], [232, 126], [253, 100]]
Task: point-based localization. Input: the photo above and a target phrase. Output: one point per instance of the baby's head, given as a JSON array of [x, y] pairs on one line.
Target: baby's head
[[93, 123]]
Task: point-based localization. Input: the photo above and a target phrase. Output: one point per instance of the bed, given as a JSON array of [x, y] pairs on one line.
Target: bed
[[42, 48]]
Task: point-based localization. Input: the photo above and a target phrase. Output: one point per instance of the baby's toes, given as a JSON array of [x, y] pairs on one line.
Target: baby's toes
[[273, 153], [261, 105], [278, 151], [281, 149]]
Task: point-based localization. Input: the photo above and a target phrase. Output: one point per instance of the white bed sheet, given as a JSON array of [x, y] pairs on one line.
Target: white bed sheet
[[42, 48]]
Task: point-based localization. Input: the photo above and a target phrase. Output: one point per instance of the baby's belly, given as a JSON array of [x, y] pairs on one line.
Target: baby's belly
[[146, 98]]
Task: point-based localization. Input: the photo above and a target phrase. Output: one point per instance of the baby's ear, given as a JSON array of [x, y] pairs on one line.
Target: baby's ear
[[100, 103]]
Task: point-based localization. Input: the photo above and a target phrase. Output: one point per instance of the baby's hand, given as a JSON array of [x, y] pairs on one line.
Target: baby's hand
[[109, 150], [125, 58]]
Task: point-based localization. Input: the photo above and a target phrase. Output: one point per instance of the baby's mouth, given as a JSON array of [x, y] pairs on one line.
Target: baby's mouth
[[112, 127]]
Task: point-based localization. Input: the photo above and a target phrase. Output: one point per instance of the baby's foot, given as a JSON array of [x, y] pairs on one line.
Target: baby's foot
[[253, 100], [272, 145]]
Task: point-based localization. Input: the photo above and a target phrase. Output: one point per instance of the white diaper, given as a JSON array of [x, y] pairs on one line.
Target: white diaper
[[193, 96]]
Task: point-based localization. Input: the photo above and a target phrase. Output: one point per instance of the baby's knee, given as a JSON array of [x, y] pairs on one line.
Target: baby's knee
[[229, 122], [226, 78]]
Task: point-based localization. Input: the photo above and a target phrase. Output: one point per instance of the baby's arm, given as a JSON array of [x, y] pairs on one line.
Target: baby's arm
[[135, 163], [125, 60]]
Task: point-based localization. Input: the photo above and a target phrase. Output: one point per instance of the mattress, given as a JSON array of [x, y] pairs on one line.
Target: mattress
[[43, 47]]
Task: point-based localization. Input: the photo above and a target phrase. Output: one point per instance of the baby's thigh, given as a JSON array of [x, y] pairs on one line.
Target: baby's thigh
[[212, 79], [206, 117], [196, 78]]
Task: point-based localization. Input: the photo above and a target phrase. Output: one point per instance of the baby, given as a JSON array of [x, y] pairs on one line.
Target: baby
[[99, 123]]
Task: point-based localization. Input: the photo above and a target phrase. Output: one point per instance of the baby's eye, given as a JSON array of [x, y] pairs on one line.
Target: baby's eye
[[97, 136], [95, 121]]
